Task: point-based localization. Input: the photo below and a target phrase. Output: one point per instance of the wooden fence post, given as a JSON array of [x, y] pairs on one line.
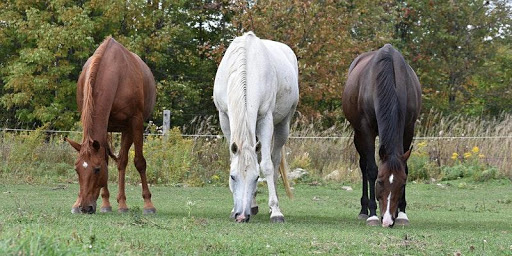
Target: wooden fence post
[[167, 121]]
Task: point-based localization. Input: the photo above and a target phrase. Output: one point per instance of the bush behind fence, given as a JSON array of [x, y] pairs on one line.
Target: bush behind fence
[[444, 149]]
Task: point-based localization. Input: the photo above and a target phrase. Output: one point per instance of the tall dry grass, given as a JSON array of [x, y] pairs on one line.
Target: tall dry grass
[[444, 148]]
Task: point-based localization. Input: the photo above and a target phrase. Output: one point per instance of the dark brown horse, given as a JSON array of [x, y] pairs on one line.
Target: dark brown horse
[[382, 97], [115, 93]]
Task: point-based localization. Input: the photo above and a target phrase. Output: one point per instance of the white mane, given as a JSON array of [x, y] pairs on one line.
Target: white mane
[[237, 92]]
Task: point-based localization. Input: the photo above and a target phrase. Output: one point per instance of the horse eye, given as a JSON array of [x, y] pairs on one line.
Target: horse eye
[[257, 178], [96, 170], [232, 177]]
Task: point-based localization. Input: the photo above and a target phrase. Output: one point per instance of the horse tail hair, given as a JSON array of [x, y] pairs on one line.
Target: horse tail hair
[[283, 168], [389, 114], [90, 79]]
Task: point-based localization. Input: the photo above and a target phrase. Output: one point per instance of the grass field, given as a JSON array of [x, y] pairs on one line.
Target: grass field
[[456, 217]]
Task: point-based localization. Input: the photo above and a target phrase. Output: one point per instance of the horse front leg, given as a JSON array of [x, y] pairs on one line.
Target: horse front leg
[[265, 130], [402, 218], [76, 206], [140, 164], [105, 195]]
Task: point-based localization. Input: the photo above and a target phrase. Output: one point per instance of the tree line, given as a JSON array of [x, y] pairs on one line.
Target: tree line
[[460, 49]]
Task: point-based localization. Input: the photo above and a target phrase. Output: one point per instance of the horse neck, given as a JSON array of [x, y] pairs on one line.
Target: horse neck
[[242, 118], [390, 109], [94, 116]]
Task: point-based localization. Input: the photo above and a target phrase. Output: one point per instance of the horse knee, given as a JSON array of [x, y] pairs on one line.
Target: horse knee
[[267, 168], [140, 164]]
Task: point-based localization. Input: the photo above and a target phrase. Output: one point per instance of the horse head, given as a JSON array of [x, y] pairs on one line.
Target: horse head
[[244, 174], [390, 184], [91, 167]]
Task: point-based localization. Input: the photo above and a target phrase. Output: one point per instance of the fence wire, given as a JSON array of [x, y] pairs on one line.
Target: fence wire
[[290, 137]]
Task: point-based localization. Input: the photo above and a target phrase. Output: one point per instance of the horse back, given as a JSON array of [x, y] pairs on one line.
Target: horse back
[[355, 94], [123, 87]]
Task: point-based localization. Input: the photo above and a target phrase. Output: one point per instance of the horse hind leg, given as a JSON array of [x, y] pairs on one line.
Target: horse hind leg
[[122, 162], [365, 145], [140, 164]]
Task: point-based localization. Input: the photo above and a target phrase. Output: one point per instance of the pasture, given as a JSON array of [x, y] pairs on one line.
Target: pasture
[[447, 218]]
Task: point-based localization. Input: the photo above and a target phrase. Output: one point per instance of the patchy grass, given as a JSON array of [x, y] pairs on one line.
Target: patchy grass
[[472, 218]]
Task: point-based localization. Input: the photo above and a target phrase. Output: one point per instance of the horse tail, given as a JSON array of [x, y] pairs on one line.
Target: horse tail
[[391, 109], [283, 169], [90, 79]]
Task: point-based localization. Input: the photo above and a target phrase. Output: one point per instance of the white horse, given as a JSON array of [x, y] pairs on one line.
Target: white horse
[[256, 91]]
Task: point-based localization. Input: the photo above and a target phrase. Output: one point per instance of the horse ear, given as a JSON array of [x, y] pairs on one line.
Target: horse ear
[[382, 153], [234, 148], [407, 154], [258, 146], [96, 145], [74, 144]]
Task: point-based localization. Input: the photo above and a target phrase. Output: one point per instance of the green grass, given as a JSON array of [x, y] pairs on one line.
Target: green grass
[[459, 216]]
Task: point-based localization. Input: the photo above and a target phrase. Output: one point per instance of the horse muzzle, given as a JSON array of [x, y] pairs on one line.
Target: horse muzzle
[[242, 217], [90, 209]]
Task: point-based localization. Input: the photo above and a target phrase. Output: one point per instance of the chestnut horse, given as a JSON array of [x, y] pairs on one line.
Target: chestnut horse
[[382, 97], [115, 93]]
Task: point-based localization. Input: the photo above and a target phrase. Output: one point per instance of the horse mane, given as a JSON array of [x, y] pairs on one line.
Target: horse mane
[[90, 79], [390, 113], [237, 91]]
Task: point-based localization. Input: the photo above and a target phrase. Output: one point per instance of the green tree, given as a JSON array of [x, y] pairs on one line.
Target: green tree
[[45, 40], [45, 43], [326, 36], [450, 43]]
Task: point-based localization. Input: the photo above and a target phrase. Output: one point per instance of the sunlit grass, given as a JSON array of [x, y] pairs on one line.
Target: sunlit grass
[[445, 219]]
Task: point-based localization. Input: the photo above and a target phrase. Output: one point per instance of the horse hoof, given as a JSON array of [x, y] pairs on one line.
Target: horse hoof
[[362, 216], [76, 210], [402, 222], [122, 210], [150, 211], [373, 221], [254, 210], [277, 219], [106, 209]]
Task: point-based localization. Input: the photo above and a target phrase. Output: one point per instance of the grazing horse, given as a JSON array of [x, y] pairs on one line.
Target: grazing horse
[[115, 93], [256, 91], [382, 97]]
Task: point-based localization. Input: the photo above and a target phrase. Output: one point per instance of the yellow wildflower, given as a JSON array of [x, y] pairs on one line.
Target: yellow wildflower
[[455, 156], [422, 144], [481, 155], [467, 155], [475, 149]]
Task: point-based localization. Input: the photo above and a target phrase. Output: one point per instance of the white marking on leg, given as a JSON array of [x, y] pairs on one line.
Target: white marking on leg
[[373, 218], [85, 164], [402, 215], [387, 220], [391, 179]]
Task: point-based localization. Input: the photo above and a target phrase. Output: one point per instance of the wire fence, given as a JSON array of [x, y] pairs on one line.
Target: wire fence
[[290, 137]]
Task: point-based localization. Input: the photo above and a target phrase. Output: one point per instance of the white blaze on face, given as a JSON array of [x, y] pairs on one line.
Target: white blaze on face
[[391, 179], [85, 164], [387, 220]]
